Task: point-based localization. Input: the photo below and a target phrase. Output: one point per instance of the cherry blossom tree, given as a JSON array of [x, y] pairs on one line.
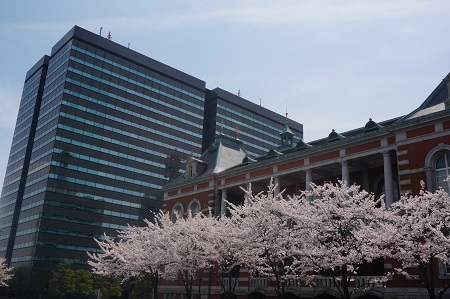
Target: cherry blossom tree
[[135, 250], [5, 272], [343, 233], [266, 245], [420, 235], [161, 248], [223, 241], [187, 252]]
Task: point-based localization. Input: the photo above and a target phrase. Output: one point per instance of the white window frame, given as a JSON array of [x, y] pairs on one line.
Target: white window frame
[[175, 212], [440, 181], [430, 165], [197, 202]]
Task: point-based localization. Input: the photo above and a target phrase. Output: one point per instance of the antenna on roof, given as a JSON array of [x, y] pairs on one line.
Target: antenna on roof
[[101, 31], [109, 35], [128, 45], [239, 93], [286, 114], [259, 102]]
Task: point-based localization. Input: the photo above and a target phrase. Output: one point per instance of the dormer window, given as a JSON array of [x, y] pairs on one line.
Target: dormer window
[[287, 137], [191, 168]]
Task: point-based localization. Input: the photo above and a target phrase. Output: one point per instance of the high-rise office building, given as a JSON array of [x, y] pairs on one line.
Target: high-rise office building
[[101, 128]]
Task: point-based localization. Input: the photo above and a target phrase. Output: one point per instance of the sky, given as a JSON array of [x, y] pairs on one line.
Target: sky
[[329, 64]]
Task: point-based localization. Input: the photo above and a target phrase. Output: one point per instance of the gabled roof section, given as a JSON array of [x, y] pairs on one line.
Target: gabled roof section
[[438, 100], [225, 153]]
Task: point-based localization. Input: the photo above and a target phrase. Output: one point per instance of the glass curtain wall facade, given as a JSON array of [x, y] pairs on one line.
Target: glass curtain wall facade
[[258, 127], [19, 157], [112, 128]]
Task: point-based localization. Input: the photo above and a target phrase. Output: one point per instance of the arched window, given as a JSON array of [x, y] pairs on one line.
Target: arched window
[[443, 171], [194, 207], [177, 212], [437, 167]]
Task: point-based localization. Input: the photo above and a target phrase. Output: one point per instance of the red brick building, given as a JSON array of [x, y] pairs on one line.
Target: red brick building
[[388, 157]]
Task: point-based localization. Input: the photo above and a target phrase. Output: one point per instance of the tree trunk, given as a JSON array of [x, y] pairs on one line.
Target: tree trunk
[[345, 282], [431, 294], [155, 285], [432, 284]]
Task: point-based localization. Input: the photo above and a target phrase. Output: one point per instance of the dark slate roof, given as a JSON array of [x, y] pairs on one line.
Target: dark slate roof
[[225, 153], [435, 101]]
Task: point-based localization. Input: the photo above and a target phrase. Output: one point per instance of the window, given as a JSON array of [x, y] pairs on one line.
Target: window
[[177, 212], [437, 167], [443, 171], [194, 207], [447, 269]]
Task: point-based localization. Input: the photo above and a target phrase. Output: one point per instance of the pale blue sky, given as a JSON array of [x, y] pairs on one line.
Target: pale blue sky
[[331, 64]]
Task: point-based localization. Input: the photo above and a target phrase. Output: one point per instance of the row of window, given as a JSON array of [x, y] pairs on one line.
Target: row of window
[[244, 125], [64, 232], [109, 152], [33, 204], [128, 91], [4, 194], [183, 120], [99, 186], [114, 164], [30, 194], [107, 175], [18, 259], [125, 79], [86, 222], [134, 124], [121, 132], [137, 73], [194, 208], [7, 203], [251, 119], [54, 84], [20, 140], [95, 197], [30, 84], [92, 210]]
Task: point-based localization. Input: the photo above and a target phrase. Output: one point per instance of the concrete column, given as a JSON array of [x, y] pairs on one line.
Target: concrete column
[[388, 180], [366, 184], [308, 173], [345, 173], [276, 181], [223, 203]]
